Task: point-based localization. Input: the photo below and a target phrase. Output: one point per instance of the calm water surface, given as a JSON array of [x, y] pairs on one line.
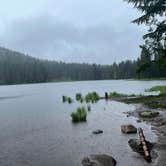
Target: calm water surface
[[36, 128]]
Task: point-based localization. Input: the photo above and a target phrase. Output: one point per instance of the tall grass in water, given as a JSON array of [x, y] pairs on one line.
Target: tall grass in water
[[66, 99], [80, 115], [92, 97], [79, 97]]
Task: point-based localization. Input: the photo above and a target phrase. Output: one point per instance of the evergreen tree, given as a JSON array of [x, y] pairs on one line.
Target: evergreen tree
[[154, 15]]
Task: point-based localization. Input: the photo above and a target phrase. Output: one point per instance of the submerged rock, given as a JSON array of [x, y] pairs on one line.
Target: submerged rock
[[128, 129], [136, 146], [97, 131], [138, 121], [99, 160]]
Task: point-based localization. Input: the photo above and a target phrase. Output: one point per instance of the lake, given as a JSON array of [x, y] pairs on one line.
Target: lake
[[36, 127]]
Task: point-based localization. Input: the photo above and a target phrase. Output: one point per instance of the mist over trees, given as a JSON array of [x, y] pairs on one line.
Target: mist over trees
[[17, 68]]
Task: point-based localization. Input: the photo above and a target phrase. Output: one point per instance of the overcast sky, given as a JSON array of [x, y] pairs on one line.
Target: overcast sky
[[93, 31]]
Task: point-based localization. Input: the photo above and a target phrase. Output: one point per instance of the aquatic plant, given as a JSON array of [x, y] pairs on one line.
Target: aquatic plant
[[80, 115], [79, 97], [115, 94], [92, 97], [148, 114], [64, 99], [89, 108], [69, 100]]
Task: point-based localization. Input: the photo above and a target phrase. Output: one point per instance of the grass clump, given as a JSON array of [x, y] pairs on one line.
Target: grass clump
[[66, 99], [161, 88], [80, 115], [115, 94], [148, 114], [150, 101], [92, 97], [79, 97], [89, 108], [69, 100]]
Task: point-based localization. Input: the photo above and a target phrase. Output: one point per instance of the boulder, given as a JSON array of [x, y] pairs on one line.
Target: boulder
[[98, 160], [128, 129], [136, 146], [97, 131]]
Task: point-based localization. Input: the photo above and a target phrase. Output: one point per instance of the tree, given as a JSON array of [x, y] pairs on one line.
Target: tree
[[154, 15]]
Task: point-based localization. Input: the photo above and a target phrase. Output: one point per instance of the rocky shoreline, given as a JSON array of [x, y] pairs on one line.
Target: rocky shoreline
[[158, 126]]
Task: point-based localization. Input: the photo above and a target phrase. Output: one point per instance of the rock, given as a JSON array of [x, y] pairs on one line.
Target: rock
[[128, 129], [136, 146], [138, 121], [97, 131], [98, 160]]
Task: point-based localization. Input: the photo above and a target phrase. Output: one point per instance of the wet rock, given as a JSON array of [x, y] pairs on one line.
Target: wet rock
[[128, 129], [98, 160], [138, 121], [97, 131], [136, 146]]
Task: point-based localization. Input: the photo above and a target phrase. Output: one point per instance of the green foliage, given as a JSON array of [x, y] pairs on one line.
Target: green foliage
[[148, 114], [150, 101], [64, 99], [92, 97], [161, 88], [80, 115], [89, 108], [154, 16], [67, 99], [79, 97], [115, 94], [17, 68]]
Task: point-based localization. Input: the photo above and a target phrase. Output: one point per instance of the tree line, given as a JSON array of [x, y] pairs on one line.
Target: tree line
[[17, 68]]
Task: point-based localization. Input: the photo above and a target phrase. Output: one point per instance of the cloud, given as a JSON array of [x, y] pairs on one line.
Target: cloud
[[46, 37]]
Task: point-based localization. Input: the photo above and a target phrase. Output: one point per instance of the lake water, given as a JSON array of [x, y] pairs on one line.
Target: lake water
[[36, 127]]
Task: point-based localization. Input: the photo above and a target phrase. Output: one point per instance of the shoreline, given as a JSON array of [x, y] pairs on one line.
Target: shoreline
[[158, 126]]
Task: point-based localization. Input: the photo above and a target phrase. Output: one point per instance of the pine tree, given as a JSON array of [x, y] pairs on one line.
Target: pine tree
[[154, 15]]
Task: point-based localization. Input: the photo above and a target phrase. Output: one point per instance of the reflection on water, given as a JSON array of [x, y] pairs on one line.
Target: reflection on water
[[10, 97], [37, 130]]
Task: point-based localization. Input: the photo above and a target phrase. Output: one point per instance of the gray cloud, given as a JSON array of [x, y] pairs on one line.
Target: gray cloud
[[47, 36]]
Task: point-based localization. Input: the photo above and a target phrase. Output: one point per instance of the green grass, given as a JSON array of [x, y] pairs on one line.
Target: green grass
[[79, 97], [64, 99], [92, 97], [80, 115], [89, 108], [67, 99], [148, 114], [161, 88], [158, 101], [115, 94]]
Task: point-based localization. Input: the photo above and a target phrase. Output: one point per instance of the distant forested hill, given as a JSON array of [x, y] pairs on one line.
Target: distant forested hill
[[16, 68]]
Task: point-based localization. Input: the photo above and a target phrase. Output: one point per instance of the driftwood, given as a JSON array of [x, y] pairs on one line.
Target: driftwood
[[146, 149]]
